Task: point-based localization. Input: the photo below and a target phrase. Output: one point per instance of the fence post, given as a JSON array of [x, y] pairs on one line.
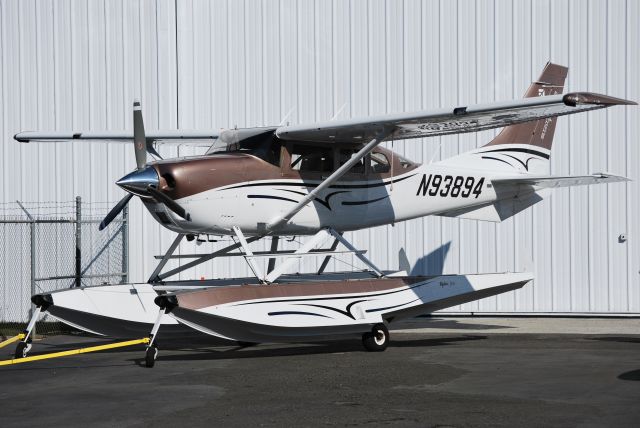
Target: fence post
[[125, 244], [78, 282], [32, 256]]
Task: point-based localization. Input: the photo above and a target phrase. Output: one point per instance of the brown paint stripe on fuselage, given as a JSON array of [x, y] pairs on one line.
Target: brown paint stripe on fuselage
[[218, 296]]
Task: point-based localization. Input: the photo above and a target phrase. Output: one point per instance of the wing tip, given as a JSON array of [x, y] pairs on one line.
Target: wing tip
[[19, 137], [618, 178], [572, 99]]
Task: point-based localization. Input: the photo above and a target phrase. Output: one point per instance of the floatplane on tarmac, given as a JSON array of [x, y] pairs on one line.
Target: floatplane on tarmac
[[319, 180]]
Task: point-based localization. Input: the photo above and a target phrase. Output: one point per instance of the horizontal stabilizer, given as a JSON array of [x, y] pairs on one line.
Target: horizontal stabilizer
[[519, 193], [554, 182]]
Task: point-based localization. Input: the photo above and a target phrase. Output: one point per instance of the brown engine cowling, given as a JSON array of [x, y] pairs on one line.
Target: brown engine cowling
[[187, 177]]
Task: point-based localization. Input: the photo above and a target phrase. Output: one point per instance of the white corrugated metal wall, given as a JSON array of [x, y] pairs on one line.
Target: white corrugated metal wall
[[201, 64]]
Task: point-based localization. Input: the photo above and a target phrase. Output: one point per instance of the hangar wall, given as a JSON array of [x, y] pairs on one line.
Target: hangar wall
[[200, 64]]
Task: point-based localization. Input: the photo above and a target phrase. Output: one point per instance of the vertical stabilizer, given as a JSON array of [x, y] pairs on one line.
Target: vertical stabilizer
[[538, 133]]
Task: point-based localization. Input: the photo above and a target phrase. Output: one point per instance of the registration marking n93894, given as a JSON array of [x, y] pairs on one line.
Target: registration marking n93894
[[450, 185]]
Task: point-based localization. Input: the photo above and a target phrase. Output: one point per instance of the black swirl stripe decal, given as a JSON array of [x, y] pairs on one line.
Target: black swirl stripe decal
[[293, 191], [496, 159], [516, 149], [271, 314], [308, 299], [334, 186], [271, 197], [525, 165], [346, 312], [324, 202]]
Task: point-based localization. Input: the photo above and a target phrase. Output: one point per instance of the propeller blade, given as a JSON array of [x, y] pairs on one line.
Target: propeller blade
[[170, 203], [115, 211], [139, 138]]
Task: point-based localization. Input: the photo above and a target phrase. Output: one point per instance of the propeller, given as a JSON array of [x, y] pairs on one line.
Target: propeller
[[139, 139], [170, 203], [115, 211], [144, 180]]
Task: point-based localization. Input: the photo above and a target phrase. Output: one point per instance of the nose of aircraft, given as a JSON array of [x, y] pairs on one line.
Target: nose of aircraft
[[138, 181]]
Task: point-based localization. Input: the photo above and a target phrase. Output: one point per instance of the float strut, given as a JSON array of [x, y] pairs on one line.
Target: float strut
[[24, 346], [152, 349], [32, 323], [156, 327]]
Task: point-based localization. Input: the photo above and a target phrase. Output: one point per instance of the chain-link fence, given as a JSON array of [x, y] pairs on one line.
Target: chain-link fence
[[52, 246]]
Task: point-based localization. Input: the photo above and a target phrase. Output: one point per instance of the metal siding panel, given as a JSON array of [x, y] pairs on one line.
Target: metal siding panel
[[542, 242], [632, 127], [325, 107], [616, 157], [44, 59], [63, 89], [598, 246], [28, 100], [560, 222], [579, 160]]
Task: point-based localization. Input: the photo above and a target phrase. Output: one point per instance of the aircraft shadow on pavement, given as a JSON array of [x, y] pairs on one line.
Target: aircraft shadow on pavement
[[630, 375], [441, 323], [621, 339], [285, 350]]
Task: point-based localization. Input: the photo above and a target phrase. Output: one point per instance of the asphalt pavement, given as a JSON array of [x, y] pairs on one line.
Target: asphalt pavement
[[461, 374]]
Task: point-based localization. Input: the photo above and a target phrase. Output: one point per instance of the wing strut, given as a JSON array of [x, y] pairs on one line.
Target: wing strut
[[335, 176]]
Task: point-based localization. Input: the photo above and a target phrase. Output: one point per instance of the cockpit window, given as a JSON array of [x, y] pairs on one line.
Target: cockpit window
[[379, 163], [311, 159], [346, 155]]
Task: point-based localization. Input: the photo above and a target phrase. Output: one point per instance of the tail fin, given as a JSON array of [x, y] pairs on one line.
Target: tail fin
[[538, 133]]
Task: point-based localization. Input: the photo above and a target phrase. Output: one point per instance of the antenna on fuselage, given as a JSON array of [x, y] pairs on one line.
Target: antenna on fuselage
[[286, 116]]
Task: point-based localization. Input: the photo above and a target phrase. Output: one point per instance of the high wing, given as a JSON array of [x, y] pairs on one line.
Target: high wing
[[201, 138], [448, 121]]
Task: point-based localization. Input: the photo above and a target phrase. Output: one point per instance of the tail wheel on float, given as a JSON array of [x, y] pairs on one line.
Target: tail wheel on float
[[377, 339], [150, 356]]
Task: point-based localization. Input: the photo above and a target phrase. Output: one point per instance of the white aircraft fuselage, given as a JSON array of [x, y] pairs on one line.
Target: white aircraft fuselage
[[359, 201]]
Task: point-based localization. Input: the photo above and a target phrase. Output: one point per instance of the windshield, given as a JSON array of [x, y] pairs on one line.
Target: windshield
[[217, 147], [264, 146]]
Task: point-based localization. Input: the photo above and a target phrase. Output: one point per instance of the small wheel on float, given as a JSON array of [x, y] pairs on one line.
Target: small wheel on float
[[150, 356], [377, 339], [22, 349]]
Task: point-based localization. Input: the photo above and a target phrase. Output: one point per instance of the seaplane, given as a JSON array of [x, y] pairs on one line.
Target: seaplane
[[318, 181]]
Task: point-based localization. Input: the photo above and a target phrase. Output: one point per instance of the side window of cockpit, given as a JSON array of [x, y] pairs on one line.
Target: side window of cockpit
[[274, 153], [378, 163], [346, 154], [311, 159]]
